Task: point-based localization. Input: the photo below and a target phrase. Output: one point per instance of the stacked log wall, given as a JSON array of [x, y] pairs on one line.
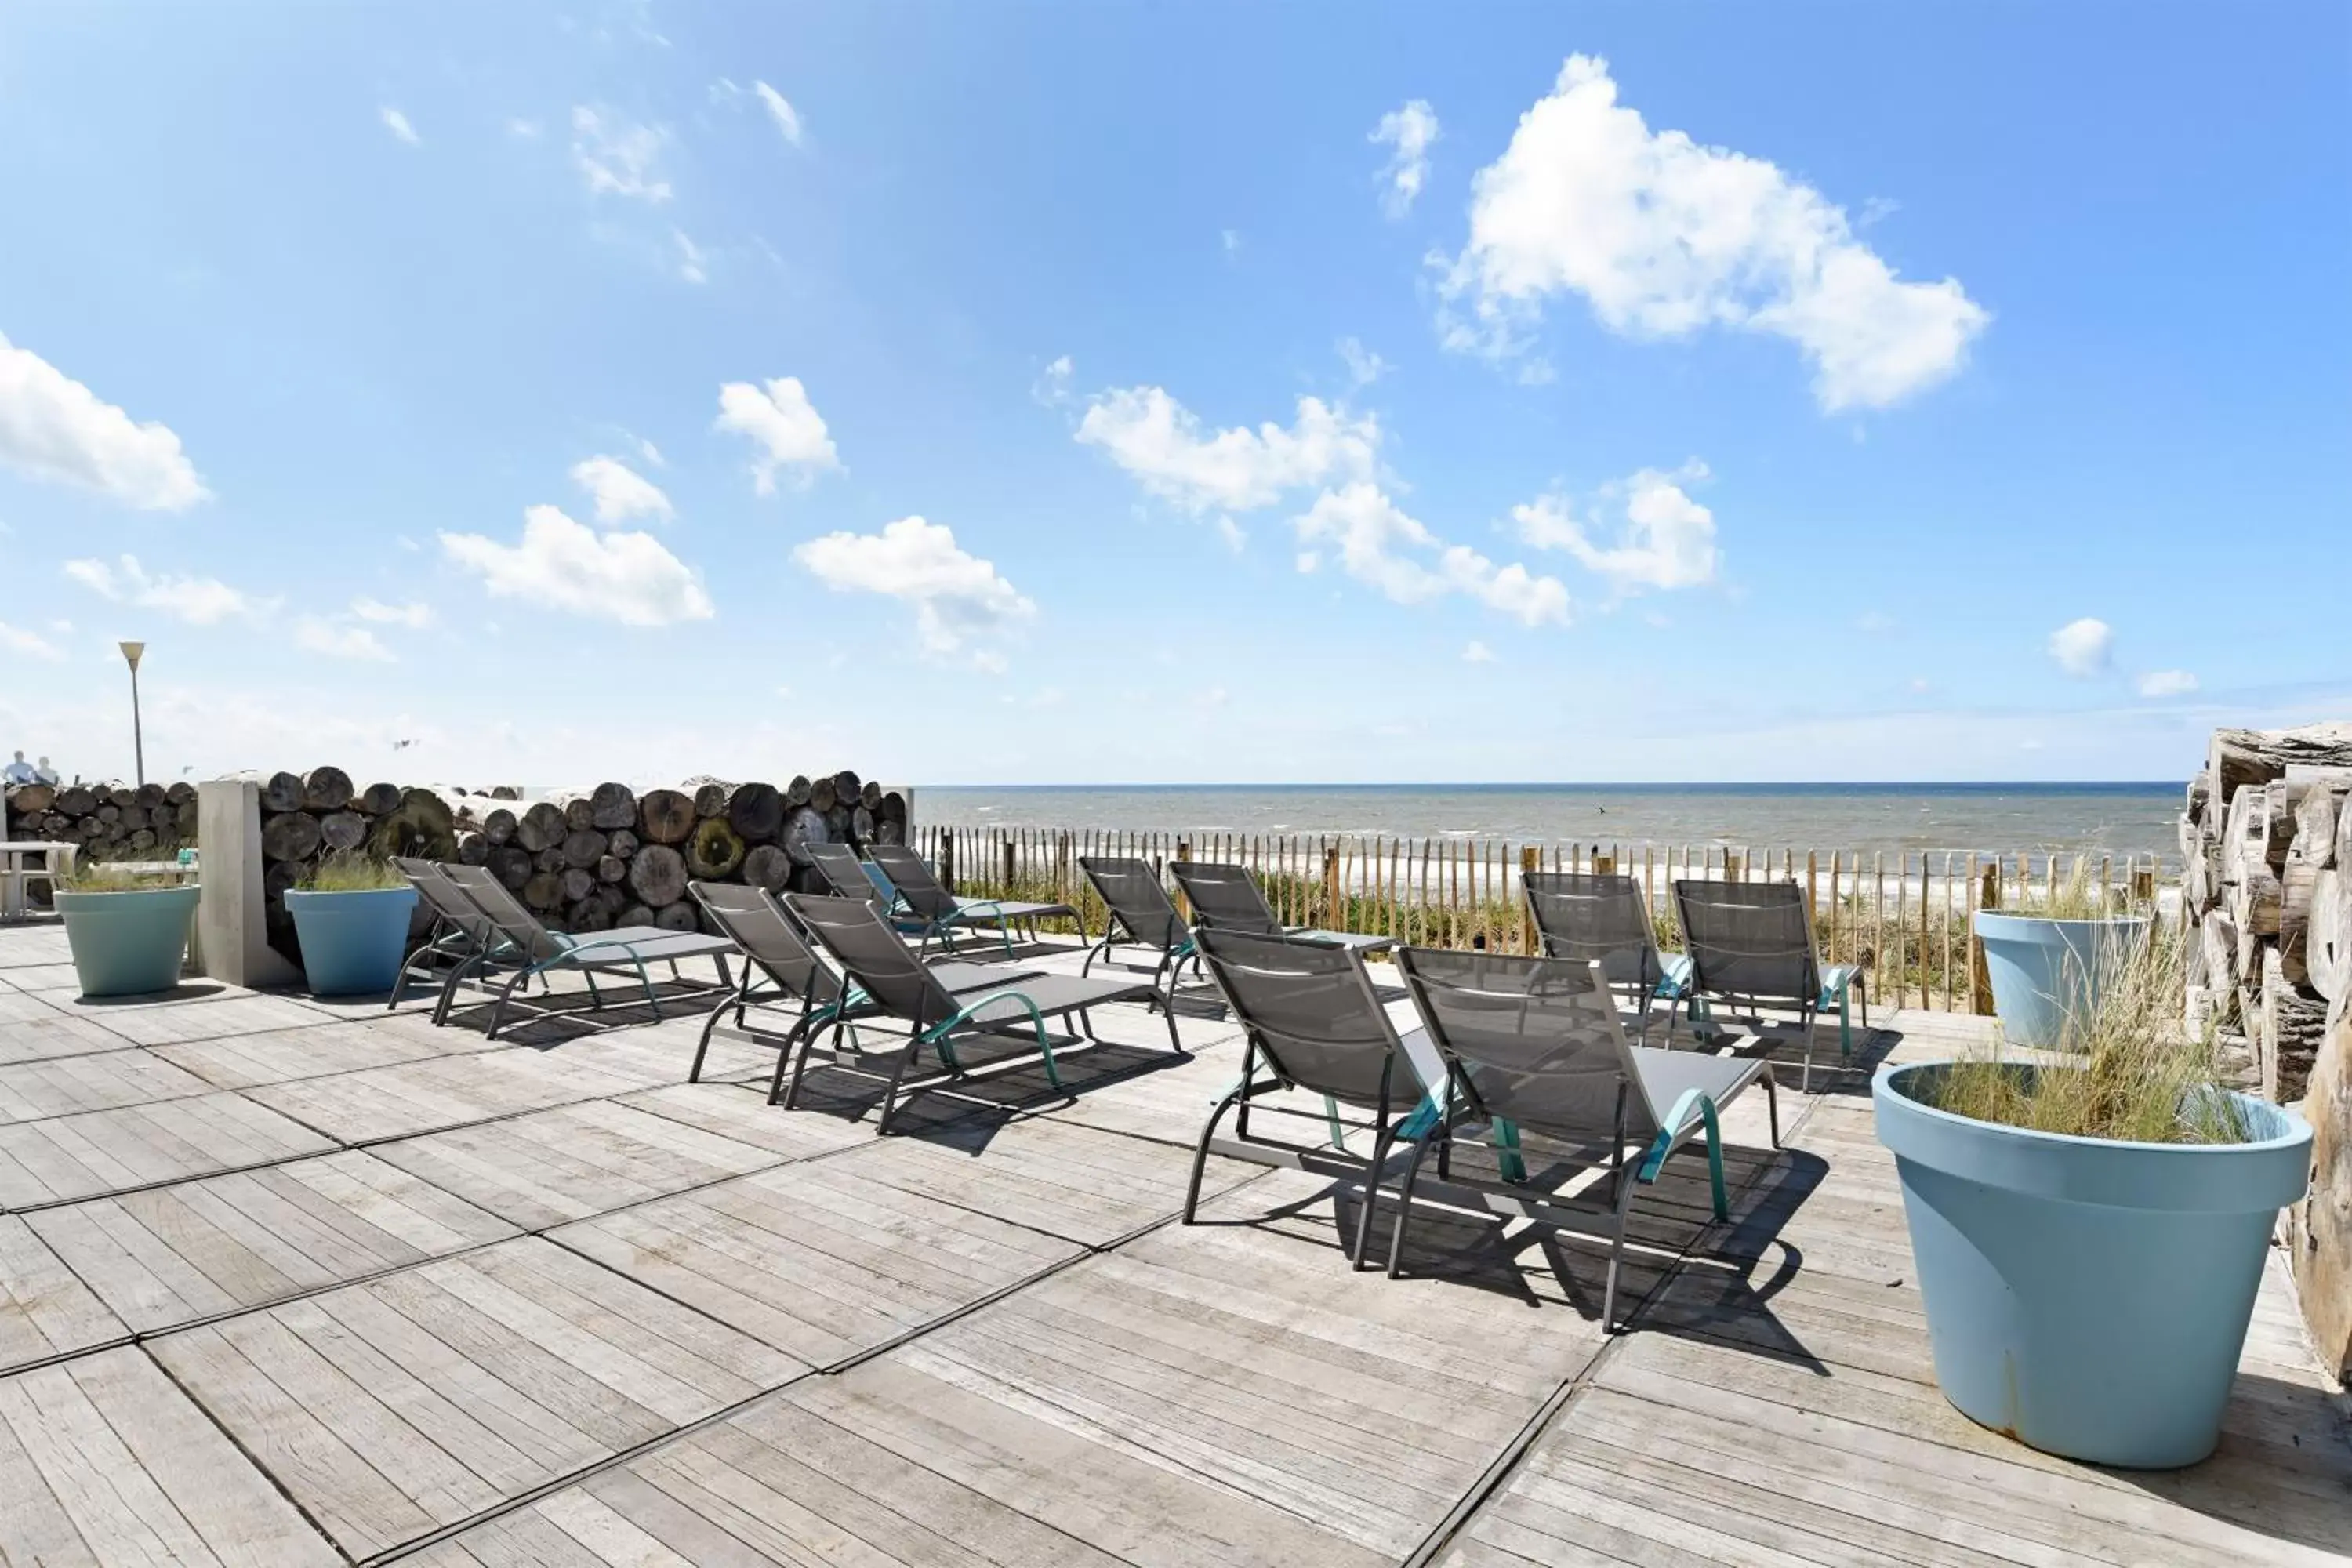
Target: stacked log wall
[[2268, 836], [589, 861]]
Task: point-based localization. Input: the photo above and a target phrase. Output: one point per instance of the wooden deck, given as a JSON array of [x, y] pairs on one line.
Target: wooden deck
[[285, 1281]]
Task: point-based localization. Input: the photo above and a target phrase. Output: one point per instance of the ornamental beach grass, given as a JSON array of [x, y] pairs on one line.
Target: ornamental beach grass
[[349, 871], [2136, 1074]]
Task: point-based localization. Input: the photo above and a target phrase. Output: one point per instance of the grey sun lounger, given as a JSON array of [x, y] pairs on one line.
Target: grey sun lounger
[[1226, 898], [1142, 912], [849, 874], [781, 968], [922, 898], [522, 944], [459, 933], [1534, 1044], [1754, 940], [893, 976], [1312, 1023], [1603, 917]]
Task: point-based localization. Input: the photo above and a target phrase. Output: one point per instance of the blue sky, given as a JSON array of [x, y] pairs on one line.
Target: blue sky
[[1223, 393]]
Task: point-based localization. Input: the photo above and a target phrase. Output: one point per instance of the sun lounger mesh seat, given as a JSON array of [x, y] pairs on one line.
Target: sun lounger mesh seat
[[1226, 898], [532, 950], [1603, 918], [1143, 914], [922, 895], [1534, 1044], [1755, 939], [1313, 1023], [459, 931], [879, 962], [775, 951]]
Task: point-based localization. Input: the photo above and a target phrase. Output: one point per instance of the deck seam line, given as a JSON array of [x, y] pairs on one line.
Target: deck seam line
[[1504, 1465], [247, 1454]]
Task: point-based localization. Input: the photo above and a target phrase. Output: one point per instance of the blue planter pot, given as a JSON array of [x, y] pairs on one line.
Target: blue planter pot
[[351, 942], [2045, 972], [2086, 1296], [130, 943]]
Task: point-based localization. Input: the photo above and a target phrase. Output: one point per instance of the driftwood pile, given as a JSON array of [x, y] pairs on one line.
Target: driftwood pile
[[2266, 847], [581, 862], [110, 821], [613, 858]]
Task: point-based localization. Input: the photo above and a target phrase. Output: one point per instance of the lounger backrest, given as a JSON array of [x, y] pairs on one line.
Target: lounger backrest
[[911, 875], [440, 895], [1535, 1040], [1130, 890], [1311, 1012], [1224, 897], [1749, 939], [843, 871], [505, 912], [752, 919], [872, 954], [1601, 918]]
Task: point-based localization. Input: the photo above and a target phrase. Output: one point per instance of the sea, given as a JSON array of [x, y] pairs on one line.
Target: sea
[[2121, 819]]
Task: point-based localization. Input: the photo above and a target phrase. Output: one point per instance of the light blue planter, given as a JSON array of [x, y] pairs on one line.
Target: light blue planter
[[2086, 1296], [351, 942], [2045, 972], [130, 943]]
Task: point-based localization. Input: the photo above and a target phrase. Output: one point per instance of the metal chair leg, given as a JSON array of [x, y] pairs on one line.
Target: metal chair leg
[[1380, 1146], [1404, 1200], [1200, 1151]]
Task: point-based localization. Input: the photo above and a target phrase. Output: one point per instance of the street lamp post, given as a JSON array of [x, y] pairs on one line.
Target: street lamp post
[[131, 652]]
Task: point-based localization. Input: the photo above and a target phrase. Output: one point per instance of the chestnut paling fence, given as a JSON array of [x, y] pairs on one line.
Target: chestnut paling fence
[[1902, 916]]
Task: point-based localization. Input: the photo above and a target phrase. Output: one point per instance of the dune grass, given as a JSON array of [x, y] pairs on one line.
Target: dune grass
[[2139, 1075], [97, 876], [351, 872]]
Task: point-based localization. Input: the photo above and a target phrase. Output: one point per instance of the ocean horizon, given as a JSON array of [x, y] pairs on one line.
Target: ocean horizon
[[2119, 818]]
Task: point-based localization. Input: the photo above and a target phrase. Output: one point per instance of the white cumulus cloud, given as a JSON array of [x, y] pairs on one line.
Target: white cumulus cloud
[[618, 157], [1407, 132], [416, 618], [53, 428], [1666, 540], [1364, 366], [2166, 683], [957, 597], [619, 491], [787, 118], [1477, 653], [17, 639], [1664, 237], [566, 565], [397, 124], [783, 423], [2084, 648], [1158, 440], [199, 601], [337, 639], [1379, 544]]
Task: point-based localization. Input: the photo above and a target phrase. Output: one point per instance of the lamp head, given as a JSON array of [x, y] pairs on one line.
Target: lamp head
[[131, 652]]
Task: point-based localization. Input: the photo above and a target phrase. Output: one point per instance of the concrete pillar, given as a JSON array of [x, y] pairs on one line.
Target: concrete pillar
[[231, 930]]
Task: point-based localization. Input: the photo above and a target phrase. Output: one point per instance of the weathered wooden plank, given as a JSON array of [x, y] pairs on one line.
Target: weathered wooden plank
[[380, 1103], [358, 1402], [104, 1462], [45, 1310], [574, 1161], [1065, 1179], [63, 1086], [815, 1258], [213, 1017], [67, 1157], [171, 1254], [250, 1060], [32, 1032]]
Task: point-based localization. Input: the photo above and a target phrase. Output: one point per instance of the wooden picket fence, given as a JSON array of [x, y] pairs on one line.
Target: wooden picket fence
[[1902, 917]]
